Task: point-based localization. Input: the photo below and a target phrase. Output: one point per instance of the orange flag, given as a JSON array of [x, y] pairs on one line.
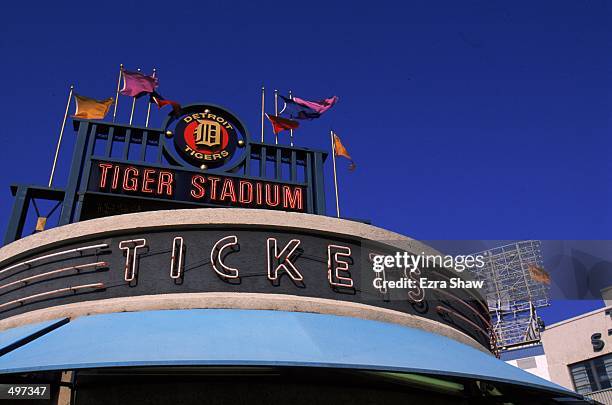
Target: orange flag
[[90, 108], [340, 150]]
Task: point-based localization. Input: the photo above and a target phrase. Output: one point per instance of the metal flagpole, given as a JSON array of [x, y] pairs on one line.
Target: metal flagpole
[[333, 144], [290, 130], [59, 141], [149, 106], [133, 104], [263, 100], [276, 113], [117, 92]]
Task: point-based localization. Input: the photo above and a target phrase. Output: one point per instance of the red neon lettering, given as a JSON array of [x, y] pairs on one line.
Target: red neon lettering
[[258, 193], [115, 178], [213, 187], [228, 190], [269, 201], [293, 201], [130, 183], [146, 180], [246, 196], [103, 173], [198, 190], [165, 183]]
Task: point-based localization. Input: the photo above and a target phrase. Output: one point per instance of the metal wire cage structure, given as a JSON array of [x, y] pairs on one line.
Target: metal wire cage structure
[[513, 295]]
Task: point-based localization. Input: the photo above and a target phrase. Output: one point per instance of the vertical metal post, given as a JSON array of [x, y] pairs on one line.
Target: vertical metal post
[[127, 141], [290, 130], [149, 106], [310, 188], [143, 145], [263, 159], [293, 170], [278, 160], [247, 159], [76, 170], [263, 113], [59, 141], [133, 105], [117, 92], [319, 184], [276, 114], [160, 147], [84, 180], [18, 215], [108, 151], [333, 145]]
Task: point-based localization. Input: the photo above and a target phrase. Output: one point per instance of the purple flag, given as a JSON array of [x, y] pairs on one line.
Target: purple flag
[[135, 84], [318, 106], [298, 111]]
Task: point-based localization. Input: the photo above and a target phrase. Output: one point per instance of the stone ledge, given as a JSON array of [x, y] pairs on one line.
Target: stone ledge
[[185, 218], [254, 301]]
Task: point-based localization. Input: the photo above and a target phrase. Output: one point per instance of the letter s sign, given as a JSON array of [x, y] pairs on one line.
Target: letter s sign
[[597, 343]]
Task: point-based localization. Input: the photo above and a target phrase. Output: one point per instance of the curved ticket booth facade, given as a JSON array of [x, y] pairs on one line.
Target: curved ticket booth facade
[[226, 283], [157, 303]]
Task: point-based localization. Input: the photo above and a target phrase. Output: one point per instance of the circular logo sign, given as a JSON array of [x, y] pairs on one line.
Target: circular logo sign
[[205, 136]]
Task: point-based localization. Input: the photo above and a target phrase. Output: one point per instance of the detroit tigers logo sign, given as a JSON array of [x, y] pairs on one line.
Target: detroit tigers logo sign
[[205, 135]]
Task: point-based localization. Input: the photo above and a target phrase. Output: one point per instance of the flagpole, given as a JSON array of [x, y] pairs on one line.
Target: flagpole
[[290, 130], [333, 144], [59, 141], [117, 92], [149, 106], [133, 104], [276, 113], [263, 100]]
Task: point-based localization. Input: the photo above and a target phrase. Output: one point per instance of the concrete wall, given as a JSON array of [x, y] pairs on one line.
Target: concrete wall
[[569, 342]]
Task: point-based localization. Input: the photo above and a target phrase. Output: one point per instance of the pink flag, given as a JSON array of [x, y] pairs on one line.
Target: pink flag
[[135, 83], [318, 106]]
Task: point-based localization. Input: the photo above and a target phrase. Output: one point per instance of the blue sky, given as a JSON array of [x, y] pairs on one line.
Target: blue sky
[[467, 120]]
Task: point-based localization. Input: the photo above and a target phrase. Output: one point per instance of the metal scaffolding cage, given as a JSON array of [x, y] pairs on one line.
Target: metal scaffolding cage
[[512, 294]]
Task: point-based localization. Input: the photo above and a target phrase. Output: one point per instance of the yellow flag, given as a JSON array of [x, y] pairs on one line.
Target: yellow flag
[[340, 150], [90, 108]]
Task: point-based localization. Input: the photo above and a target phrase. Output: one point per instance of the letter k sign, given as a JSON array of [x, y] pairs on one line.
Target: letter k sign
[[282, 261]]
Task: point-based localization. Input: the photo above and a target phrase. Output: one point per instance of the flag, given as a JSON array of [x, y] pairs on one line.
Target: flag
[[90, 108], [538, 274], [136, 84], [297, 111], [318, 106], [306, 110], [280, 124], [157, 98], [340, 150]]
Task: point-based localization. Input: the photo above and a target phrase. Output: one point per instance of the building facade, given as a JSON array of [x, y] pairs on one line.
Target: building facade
[[575, 353], [579, 351]]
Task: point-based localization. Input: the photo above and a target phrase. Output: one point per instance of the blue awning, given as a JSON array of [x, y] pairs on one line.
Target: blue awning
[[253, 337], [16, 337]]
